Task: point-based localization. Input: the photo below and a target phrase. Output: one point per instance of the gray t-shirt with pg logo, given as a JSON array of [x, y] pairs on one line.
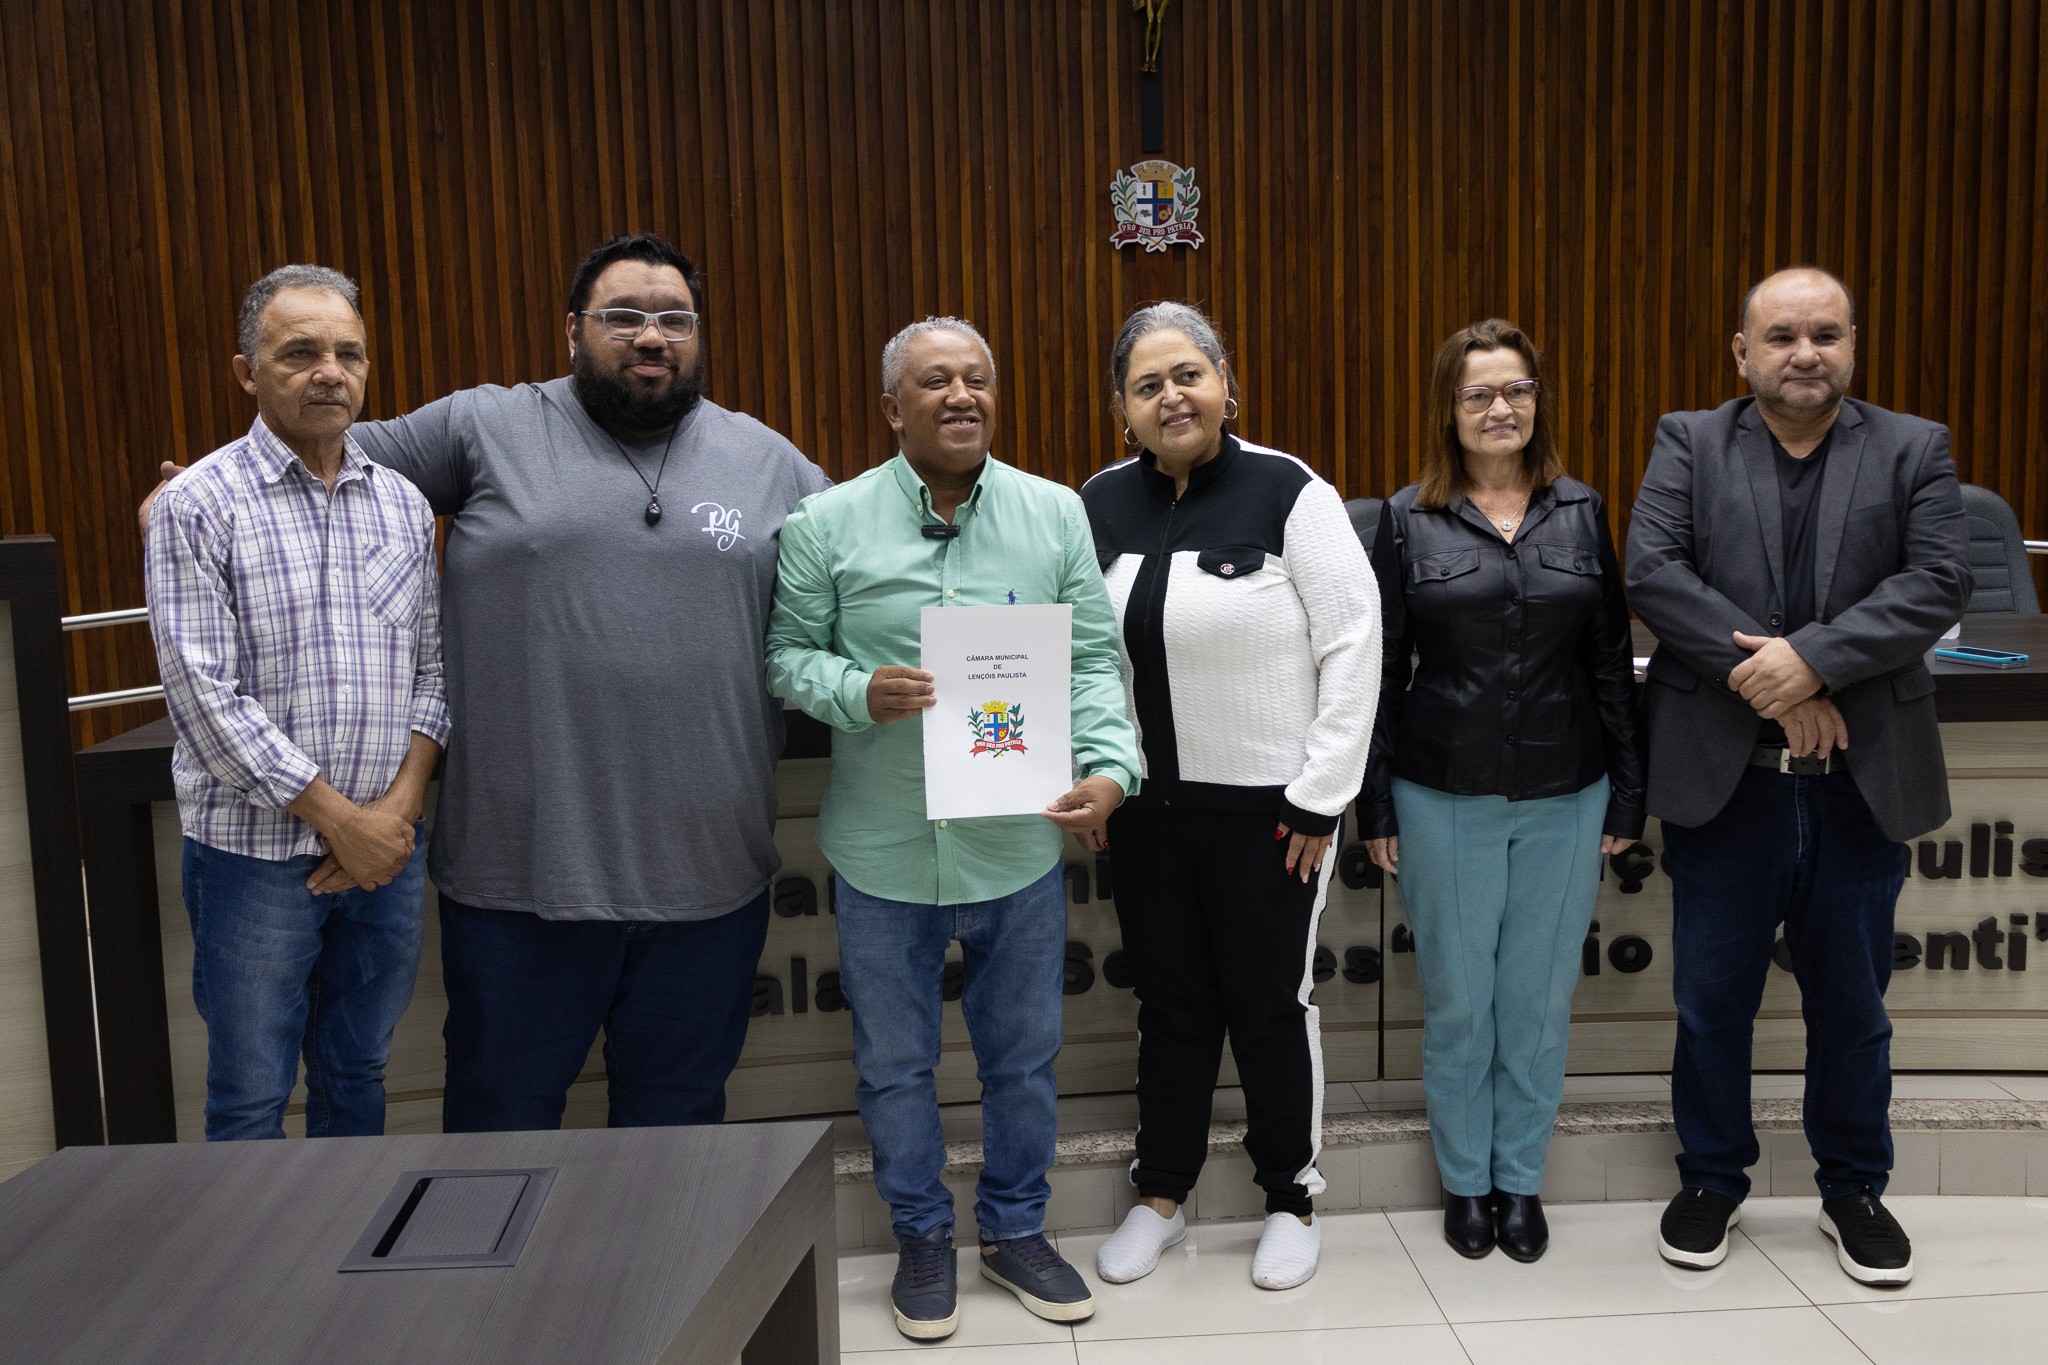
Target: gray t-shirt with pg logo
[[613, 748]]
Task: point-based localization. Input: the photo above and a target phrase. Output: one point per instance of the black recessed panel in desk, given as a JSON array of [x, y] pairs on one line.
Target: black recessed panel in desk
[[444, 1220]]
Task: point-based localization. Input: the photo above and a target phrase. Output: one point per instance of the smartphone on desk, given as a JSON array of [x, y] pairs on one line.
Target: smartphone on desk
[[1982, 658]]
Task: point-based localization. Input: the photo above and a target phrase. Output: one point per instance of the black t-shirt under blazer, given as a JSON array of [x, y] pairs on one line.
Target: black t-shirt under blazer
[[1523, 680], [1249, 632]]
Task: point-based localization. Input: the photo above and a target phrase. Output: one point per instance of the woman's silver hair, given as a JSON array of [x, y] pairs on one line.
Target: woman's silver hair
[[249, 336], [899, 345], [1154, 317]]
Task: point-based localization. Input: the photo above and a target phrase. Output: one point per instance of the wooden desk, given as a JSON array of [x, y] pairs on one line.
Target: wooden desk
[[1968, 693], [654, 1245], [1965, 693]]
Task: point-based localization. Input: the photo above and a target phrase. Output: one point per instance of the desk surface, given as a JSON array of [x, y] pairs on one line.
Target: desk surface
[[1963, 692], [653, 1245]]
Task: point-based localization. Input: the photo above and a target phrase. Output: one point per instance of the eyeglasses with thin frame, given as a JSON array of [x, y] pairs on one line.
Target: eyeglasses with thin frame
[[625, 324], [1478, 398]]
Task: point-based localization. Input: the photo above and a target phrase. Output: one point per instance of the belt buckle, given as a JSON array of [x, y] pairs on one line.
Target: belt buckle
[[1805, 765]]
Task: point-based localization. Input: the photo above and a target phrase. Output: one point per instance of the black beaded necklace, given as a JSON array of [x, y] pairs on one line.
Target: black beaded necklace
[[653, 489]]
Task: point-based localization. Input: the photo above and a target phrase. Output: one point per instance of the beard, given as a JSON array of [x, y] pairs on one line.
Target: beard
[[1776, 393], [618, 405]]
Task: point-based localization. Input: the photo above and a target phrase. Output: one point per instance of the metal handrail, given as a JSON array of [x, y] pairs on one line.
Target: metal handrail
[[2036, 547], [94, 619], [93, 700]]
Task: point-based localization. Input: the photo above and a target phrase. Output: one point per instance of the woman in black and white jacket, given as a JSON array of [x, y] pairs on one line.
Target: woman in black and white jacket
[[1250, 648]]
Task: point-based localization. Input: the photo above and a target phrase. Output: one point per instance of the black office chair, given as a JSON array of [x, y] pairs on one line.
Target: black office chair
[[1365, 519], [1998, 555]]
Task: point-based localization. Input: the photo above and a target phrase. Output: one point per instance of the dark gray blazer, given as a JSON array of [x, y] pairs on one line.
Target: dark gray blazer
[[1891, 573]]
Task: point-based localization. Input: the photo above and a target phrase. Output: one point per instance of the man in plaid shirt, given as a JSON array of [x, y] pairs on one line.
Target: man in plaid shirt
[[293, 599]]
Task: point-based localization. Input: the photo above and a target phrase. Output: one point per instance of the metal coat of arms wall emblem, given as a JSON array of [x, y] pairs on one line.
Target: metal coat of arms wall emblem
[[1154, 203]]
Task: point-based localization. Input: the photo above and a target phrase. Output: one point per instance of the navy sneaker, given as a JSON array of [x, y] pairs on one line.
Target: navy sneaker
[[1044, 1283], [926, 1293]]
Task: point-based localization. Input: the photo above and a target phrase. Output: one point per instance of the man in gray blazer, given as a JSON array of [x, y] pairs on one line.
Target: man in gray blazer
[[1796, 553]]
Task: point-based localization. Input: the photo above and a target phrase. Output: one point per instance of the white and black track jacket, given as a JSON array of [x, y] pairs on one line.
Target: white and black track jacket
[[1249, 632]]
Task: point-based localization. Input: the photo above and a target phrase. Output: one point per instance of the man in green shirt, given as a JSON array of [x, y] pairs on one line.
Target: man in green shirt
[[945, 524]]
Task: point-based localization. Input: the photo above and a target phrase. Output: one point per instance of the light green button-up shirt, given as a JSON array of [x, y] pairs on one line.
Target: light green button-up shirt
[[855, 572]]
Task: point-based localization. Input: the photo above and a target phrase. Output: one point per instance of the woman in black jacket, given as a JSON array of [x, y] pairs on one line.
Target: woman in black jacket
[[1503, 772]]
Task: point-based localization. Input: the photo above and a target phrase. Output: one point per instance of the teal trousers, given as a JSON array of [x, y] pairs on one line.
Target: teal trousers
[[1498, 894]]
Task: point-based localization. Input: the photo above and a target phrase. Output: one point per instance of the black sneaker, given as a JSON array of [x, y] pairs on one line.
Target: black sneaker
[[1869, 1242], [1694, 1232], [1029, 1268], [926, 1293]]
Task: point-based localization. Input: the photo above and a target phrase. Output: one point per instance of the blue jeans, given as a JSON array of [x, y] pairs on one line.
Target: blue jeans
[[526, 997], [1499, 894], [1804, 852], [892, 960], [278, 971]]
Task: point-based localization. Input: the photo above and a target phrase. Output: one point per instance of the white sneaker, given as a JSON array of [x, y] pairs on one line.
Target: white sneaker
[[1287, 1252], [1132, 1251]]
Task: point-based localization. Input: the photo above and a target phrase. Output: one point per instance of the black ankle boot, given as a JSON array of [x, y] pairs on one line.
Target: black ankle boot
[[1519, 1224], [1468, 1224]]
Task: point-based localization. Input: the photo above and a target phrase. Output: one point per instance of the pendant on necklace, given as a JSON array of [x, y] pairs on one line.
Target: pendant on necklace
[[653, 509], [1507, 526]]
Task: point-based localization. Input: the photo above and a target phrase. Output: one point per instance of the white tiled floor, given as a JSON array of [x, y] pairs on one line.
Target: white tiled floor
[[1389, 1290]]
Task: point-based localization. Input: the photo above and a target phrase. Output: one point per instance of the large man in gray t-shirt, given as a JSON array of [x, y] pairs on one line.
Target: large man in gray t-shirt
[[604, 836], [620, 745]]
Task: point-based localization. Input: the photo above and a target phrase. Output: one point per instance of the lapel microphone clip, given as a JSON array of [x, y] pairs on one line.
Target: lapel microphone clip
[[939, 530]]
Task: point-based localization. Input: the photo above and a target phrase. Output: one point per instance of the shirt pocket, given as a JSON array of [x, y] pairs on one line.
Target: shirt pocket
[[1231, 561], [1443, 567], [392, 585], [1569, 559]]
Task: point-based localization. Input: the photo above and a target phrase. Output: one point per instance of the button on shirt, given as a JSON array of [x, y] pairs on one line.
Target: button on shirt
[[1799, 494], [298, 633], [856, 571]]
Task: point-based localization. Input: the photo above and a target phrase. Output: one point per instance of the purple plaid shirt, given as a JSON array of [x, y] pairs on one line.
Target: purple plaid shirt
[[298, 632]]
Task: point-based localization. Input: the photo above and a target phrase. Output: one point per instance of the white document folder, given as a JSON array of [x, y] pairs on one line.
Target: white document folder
[[1000, 739]]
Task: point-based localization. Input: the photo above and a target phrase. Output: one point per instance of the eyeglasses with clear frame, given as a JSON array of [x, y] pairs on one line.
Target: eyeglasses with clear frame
[[625, 324], [1520, 395]]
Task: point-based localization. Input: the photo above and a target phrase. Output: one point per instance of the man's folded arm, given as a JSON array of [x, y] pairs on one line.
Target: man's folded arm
[[193, 622], [1905, 614], [1695, 622]]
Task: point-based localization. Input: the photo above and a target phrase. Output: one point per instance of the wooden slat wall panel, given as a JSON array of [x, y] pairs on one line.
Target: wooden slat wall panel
[[1610, 173]]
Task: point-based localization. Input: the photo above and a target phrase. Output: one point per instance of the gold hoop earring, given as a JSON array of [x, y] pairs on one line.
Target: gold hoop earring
[[1230, 409], [1130, 439]]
